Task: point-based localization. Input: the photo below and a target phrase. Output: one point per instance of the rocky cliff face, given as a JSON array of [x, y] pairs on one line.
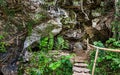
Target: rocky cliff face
[[24, 22]]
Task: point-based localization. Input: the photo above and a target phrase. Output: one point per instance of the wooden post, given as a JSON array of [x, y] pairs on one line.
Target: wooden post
[[96, 55]]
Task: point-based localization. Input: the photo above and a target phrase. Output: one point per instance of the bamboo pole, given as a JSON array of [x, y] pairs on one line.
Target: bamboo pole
[[96, 55], [105, 49], [97, 51]]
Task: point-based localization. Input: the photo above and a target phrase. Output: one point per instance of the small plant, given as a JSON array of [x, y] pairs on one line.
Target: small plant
[[61, 43], [2, 45], [46, 43], [49, 43]]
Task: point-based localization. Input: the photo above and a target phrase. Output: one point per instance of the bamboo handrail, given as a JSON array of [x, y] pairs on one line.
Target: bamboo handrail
[[97, 51], [96, 56], [105, 49]]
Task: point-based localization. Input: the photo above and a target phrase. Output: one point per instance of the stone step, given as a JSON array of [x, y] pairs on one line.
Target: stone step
[[80, 65], [76, 73], [78, 59], [80, 70]]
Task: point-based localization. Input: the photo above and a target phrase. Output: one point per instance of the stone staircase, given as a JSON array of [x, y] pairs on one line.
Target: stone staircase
[[79, 61], [80, 66]]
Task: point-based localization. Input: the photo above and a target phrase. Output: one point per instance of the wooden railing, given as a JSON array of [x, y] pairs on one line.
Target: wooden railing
[[97, 52]]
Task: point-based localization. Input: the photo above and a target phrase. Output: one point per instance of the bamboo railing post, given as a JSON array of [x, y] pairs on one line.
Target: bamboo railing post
[[96, 55]]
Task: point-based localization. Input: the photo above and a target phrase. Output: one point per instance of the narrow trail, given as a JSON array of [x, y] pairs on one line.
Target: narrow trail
[[79, 61], [80, 65]]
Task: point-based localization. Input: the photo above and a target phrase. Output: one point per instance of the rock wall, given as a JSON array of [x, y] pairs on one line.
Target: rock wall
[[24, 22]]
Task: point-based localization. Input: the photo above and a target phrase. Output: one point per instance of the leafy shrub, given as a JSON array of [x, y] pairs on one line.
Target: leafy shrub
[[49, 43], [61, 43], [46, 43], [113, 43], [108, 63], [43, 63]]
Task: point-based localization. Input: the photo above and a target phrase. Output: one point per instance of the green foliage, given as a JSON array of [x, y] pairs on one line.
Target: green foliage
[[46, 63], [42, 63], [43, 45], [55, 65], [1, 37], [101, 52], [61, 43], [2, 45], [100, 56], [46, 43], [108, 63], [113, 43], [98, 43], [49, 43]]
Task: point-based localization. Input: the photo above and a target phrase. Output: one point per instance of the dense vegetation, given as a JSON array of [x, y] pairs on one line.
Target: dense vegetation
[[31, 31], [42, 63], [108, 63]]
